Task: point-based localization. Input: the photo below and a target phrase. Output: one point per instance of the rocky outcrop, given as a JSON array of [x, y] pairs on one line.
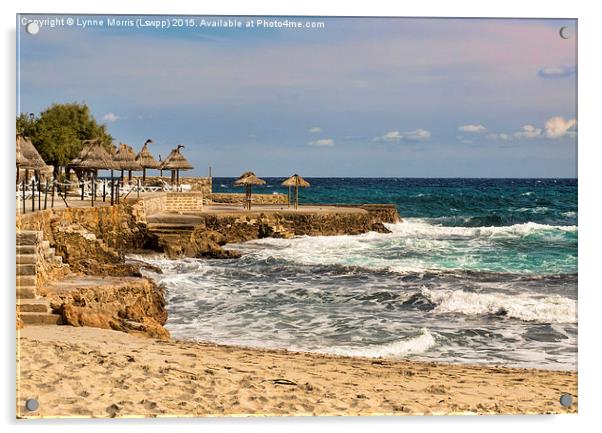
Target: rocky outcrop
[[204, 235], [133, 305]]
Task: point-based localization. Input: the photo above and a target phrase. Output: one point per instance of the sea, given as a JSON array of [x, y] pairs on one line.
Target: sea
[[480, 271]]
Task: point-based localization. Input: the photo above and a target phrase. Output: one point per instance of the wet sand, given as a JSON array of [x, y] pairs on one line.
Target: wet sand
[[90, 372]]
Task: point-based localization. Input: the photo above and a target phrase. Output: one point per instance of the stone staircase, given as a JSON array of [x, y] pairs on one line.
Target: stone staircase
[[32, 250]]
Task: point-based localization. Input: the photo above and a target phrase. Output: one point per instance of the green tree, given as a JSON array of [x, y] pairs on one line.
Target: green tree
[[58, 132]]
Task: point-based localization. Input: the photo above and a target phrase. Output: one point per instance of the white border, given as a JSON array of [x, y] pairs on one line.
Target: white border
[[589, 197]]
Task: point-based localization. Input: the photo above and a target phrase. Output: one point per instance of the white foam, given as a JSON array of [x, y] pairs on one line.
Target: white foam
[[418, 227], [414, 345], [413, 246], [551, 309]]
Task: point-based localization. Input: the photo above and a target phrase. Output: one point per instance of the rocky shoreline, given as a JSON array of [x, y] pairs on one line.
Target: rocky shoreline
[[92, 284]]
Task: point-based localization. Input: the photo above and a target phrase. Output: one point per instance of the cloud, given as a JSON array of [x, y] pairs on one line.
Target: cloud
[[463, 139], [110, 117], [472, 128], [499, 136], [390, 136], [554, 127], [323, 142], [528, 131], [557, 71], [315, 130], [557, 126], [416, 135]]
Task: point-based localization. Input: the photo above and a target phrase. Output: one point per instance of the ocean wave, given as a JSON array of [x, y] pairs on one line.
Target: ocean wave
[[420, 343], [551, 309], [420, 227], [417, 246]]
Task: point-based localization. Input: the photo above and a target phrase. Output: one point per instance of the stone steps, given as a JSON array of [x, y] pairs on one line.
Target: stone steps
[[26, 269], [26, 249], [169, 228], [26, 259], [26, 292], [26, 237], [40, 305], [26, 281], [30, 248], [34, 318]]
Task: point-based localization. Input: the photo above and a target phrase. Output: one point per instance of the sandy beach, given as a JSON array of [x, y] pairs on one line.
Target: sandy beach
[[90, 372]]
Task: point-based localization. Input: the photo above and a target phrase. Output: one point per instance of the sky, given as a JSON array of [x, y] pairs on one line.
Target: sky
[[354, 97]]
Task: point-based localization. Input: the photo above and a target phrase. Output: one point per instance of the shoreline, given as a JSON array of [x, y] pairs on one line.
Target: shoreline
[[83, 372]]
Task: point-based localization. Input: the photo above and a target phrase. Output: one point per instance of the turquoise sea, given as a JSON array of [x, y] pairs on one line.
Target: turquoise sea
[[480, 271]]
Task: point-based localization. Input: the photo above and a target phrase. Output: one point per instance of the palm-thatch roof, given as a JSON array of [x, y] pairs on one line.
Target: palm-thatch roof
[[248, 178], [93, 156], [125, 158], [296, 180], [145, 158], [27, 156], [176, 161]]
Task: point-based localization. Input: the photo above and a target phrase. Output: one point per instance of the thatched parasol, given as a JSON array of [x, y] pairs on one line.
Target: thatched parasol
[[247, 180], [297, 182], [28, 157], [175, 161], [125, 158], [146, 159], [93, 156]]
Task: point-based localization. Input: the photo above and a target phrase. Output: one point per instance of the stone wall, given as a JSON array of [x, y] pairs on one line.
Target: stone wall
[[182, 202], [115, 225], [239, 198], [197, 183], [149, 206]]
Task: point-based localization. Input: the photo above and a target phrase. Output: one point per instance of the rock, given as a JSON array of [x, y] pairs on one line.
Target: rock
[[379, 228], [133, 305]]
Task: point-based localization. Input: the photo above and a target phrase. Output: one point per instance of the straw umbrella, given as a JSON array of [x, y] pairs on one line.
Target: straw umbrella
[[146, 159], [28, 157], [295, 181], [175, 161], [91, 158], [125, 158], [247, 180]]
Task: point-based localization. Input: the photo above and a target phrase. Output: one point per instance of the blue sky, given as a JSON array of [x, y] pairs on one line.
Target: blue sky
[[387, 97]]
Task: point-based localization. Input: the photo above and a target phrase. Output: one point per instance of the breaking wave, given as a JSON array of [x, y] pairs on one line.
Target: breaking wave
[[413, 345], [552, 309]]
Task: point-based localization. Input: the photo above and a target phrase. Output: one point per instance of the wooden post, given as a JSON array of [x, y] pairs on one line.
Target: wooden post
[[250, 195], [178, 178], [138, 188], [143, 174], [112, 190], [104, 190], [117, 192], [92, 187], [46, 195], [33, 195], [82, 198], [39, 192], [52, 196], [23, 195]]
